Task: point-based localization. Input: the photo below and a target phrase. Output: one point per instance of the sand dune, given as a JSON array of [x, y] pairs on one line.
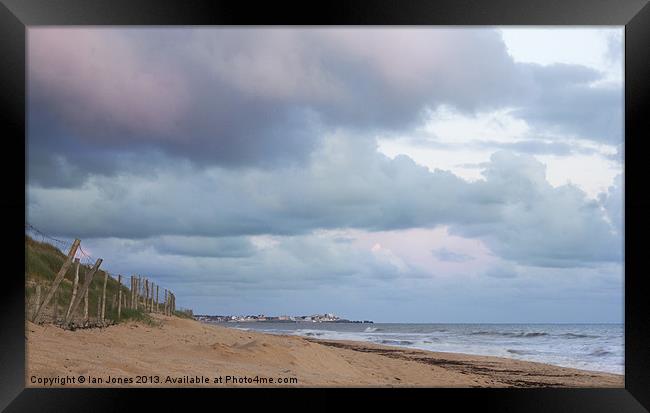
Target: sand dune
[[178, 350]]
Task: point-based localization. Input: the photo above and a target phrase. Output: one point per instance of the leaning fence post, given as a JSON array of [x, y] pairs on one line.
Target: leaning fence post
[[59, 277], [84, 291], [55, 307], [104, 295], [74, 286]]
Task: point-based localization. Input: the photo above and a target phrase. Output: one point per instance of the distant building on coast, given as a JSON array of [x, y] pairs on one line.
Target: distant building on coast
[[314, 318]]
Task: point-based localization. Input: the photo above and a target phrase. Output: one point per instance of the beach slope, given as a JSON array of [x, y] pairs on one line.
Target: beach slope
[[177, 351]]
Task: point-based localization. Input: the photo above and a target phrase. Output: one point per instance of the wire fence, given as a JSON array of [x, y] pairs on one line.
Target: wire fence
[[43, 304]]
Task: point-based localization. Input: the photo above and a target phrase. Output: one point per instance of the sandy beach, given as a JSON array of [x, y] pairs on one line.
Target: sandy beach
[[182, 352]]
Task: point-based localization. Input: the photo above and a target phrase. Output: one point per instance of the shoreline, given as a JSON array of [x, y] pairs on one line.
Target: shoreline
[[458, 360], [181, 348], [410, 336]]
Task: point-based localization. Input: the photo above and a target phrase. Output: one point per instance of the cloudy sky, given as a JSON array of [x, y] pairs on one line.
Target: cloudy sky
[[392, 174]]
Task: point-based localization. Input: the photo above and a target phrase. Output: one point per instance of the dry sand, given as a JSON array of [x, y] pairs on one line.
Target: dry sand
[[183, 349]]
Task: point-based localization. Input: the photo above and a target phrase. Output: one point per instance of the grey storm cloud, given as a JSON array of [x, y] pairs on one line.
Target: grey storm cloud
[[565, 101], [266, 97], [540, 224], [232, 247], [346, 184], [287, 263]]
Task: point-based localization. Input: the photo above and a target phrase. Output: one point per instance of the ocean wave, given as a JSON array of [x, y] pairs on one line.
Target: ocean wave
[[397, 342], [574, 335], [371, 329], [521, 352], [532, 335], [508, 334], [600, 352]]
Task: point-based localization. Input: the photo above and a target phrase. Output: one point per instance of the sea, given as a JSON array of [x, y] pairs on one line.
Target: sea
[[595, 347]]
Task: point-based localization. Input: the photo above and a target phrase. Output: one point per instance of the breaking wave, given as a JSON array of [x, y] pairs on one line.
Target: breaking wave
[[508, 334]]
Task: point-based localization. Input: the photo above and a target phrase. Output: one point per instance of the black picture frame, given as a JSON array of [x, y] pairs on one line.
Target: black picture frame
[[17, 15]]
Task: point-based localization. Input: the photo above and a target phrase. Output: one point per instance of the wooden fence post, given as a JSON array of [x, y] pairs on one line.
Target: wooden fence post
[[104, 295], [86, 306], [152, 297], [59, 277], [55, 307], [84, 290], [146, 295], [119, 296], [38, 299], [157, 309], [74, 286], [137, 292]]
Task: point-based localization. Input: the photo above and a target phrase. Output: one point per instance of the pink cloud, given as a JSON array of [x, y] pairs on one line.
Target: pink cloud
[[95, 76], [414, 246]]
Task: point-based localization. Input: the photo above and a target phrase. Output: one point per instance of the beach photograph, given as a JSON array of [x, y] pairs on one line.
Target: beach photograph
[[331, 206]]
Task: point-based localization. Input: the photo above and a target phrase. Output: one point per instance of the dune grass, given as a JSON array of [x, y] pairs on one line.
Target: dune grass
[[42, 263]]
